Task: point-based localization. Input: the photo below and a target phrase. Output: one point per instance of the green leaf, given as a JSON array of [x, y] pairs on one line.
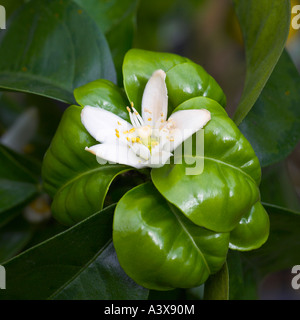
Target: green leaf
[[217, 285], [103, 94], [281, 251], [277, 187], [72, 175], [116, 19], [242, 278], [17, 184], [159, 247], [79, 263], [14, 236], [227, 188], [185, 79], [60, 49], [282, 203], [252, 231], [272, 125], [265, 27]]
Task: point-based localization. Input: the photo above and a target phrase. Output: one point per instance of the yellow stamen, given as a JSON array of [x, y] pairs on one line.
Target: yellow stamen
[[119, 123], [149, 119], [118, 136], [127, 139], [133, 140], [147, 110], [125, 132], [162, 114], [131, 130], [128, 109], [138, 140]]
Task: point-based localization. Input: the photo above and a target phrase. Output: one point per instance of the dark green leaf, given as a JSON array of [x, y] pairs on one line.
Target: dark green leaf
[[281, 251], [79, 263], [242, 278], [14, 237], [60, 49], [277, 187], [265, 27], [102, 279], [272, 125], [217, 285], [116, 19], [17, 184]]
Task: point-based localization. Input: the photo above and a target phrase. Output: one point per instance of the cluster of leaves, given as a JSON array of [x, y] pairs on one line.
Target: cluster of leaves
[[68, 43]]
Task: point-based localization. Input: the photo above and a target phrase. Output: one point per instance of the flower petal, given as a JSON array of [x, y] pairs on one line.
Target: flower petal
[[116, 153], [186, 123], [155, 99], [102, 124]]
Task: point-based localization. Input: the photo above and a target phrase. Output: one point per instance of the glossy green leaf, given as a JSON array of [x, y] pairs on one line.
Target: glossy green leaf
[[272, 125], [217, 285], [60, 49], [265, 29], [227, 188], [185, 79], [73, 176], [103, 94], [159, 247], [79, 263], [252, 231]]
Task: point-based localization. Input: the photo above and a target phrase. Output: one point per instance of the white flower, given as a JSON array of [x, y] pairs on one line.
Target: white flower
[[149, 140]]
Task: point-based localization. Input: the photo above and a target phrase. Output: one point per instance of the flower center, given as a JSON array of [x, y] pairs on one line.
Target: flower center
[[148, 137]]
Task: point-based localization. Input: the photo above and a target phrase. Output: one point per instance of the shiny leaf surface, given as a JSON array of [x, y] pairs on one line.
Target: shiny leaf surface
[[227, 188], [159, 247], [185, 79], [252, 231]]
